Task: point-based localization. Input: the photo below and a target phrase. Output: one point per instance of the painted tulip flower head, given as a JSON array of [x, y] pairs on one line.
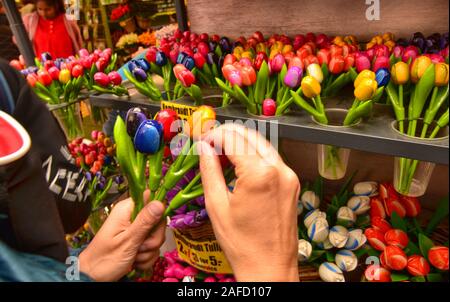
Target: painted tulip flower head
[[330, 272], [318, 231], [346, 260], [359, 204], [345, 216], [338, 236], [366, 188], [311, 216], [356, 239], [310, 200], [293, 77], [304, 250]]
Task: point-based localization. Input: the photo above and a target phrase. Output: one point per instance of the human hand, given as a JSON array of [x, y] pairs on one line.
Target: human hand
[[119, 243], [256, 224]]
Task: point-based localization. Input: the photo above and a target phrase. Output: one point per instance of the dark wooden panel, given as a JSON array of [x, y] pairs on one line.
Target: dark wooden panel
[[235, 17]]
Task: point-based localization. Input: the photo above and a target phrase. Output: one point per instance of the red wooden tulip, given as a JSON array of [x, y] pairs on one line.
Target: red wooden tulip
[[323, 56], [44, 78], [362, 62], [258, 36], [380, 224], [115, 78], [394, 258], [336, 50], [376, 273], [230, 59], [381, 51], [269, 107], [248, 75], [32, 79], [349, 61], [304, 51], [336, 65], [199, 60], [393, 205], [418, 265], [311, 59], [381, 62], [397, 238], [438, 257], [54, 73], [276, 64], [375, 238], [77, 70], [167, 117], [296, 61], [151, 54], [411, 205], [101, 79], [16, 65], [377, 208]]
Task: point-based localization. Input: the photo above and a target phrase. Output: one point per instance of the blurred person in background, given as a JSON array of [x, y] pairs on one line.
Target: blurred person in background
[[27, 7], [51, 31], [8, 50]]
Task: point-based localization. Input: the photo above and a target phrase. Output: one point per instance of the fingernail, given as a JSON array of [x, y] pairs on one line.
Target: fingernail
[[156, 208]]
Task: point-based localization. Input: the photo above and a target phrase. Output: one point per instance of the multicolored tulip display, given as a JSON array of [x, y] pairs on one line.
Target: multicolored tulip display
[[97, 160]]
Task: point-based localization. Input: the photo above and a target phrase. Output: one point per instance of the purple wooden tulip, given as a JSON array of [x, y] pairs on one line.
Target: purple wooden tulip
[[362, 62], [135, 117], [181, 210], [269, 107], [139, 74], [293, 77], [402, 42], [381, 62]]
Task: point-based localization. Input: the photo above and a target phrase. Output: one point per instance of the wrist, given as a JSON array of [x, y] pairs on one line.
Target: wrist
[[84, 264]]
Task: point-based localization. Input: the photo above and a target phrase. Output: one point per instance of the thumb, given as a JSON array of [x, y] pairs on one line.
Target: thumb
[[145, 221]]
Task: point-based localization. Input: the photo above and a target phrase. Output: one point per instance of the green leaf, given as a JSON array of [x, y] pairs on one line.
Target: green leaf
[[347, 183], [399, 277], [425, 244], [373, 252], [330, 256], [434, 277], [316, 254], [318, 187], [412, 249], [418, 279], [397, 222], [362, 221], [440, 213]]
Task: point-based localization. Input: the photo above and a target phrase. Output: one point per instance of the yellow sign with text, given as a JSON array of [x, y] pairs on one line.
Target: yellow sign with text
[[204, 255], [183, 111]]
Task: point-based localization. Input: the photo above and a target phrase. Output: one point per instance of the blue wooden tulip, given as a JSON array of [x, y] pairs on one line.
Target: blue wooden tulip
[[189, 62], [382, 76], [135, 117], [139, 74], [181, 56], [148, 137], [132, 65], [142, 63], [161, 58]]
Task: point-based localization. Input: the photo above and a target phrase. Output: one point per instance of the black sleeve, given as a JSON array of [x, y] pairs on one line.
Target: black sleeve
[[58, 179]]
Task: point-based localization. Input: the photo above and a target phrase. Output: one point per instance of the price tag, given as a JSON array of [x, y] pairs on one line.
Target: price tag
[[204, 255], [183, 111]]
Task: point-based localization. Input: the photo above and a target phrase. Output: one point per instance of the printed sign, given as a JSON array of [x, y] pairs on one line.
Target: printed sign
[[183, 111], [205, 255]]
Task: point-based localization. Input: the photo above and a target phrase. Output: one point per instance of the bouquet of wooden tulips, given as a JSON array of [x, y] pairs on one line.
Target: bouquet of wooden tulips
[[402, 245], [333, 240], [425, 79], [169, 157]]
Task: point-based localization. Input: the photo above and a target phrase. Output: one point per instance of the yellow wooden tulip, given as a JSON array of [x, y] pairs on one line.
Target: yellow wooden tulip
[[310, 87], [418, 68], [315, 71], [441, 74], [366, 89], [400, 73], [388, 36], [366, 73]]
